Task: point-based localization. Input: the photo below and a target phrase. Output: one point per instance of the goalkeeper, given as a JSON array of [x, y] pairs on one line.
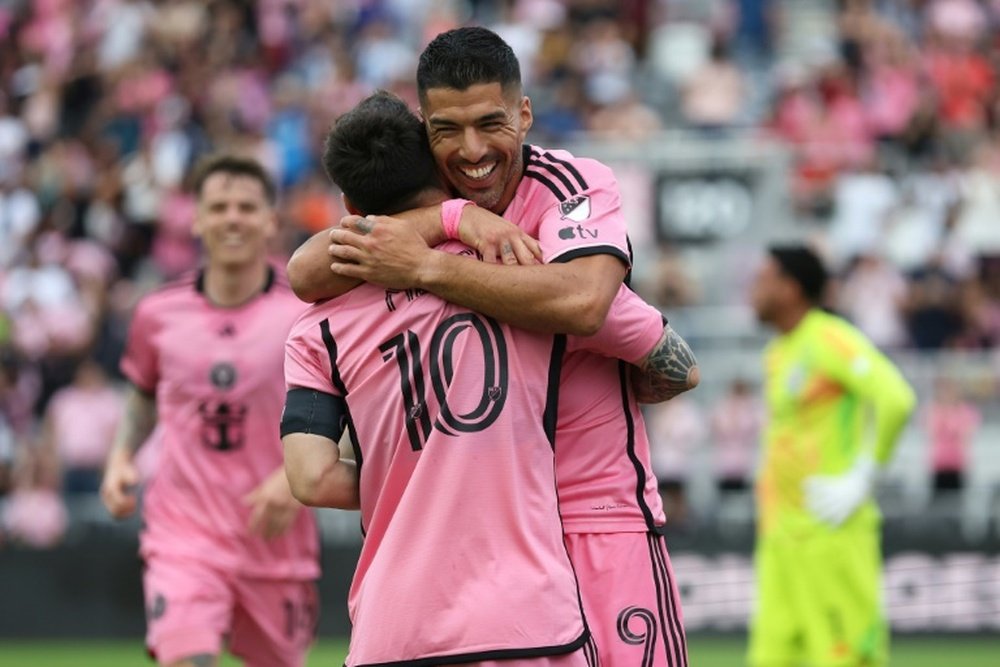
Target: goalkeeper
[[836, 408]]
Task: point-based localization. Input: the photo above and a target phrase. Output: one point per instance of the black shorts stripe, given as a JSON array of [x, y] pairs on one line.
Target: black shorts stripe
[[544, 180], [672, 601], [661, 608], [590, 653], [567, 165], [670, 625]]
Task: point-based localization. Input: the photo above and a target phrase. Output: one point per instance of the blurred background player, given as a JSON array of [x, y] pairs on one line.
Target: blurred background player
[[836, 406], [230, 555], [457, 492], [477, 120]]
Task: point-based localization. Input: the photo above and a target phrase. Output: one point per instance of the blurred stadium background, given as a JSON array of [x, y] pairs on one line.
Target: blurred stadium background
[[868, 127]]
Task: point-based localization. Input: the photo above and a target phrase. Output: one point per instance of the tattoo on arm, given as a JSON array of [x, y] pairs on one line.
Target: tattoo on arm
[[670, 369], [137, 422]]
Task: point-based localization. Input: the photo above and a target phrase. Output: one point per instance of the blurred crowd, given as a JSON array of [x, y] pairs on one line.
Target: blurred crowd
[[892, 112]]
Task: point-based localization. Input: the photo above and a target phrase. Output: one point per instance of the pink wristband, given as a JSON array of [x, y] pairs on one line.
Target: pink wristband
[[451, 215]]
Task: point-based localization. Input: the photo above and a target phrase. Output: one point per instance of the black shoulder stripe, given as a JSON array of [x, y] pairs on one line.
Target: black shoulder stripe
[[331, 350], [338, 382], [535, 162], [569, 167], [544, 180]]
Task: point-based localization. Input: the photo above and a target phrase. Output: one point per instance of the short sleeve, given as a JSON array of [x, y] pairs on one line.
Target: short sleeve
[[631, 330], [584, 216], [306, 363], [140, 362]]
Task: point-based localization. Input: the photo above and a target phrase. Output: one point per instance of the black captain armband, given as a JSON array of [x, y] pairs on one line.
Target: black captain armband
[[313, 412]]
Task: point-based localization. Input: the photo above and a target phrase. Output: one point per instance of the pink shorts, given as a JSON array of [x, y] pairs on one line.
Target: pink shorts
[[630, 598], [193, 608]]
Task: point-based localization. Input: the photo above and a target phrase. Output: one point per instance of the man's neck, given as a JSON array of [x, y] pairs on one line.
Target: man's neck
[[790, 318], [230, 286]]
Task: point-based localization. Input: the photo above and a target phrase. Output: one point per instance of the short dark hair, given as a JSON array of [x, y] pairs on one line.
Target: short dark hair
[[464, 57], [234, 165], [804, 266], [377, 153]]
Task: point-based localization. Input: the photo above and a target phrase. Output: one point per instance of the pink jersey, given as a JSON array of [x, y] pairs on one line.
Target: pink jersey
[[606, 483], [951, 428], [217, 376], [453, 416]]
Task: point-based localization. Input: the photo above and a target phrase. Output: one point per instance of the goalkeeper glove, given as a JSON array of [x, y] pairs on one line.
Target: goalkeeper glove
[[834, 498]]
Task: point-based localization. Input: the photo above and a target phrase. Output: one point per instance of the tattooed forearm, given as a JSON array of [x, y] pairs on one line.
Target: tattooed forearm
[[137, 422], [670, 369]]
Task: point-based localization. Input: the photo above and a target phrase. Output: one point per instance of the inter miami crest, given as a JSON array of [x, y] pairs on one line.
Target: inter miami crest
[[222, 376], [222, 419], [576, 208], [222, 425]]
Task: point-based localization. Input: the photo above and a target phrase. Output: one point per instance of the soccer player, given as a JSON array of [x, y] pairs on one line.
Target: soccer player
[[836, 407], [452, 416], [231, 557], [477, 119]]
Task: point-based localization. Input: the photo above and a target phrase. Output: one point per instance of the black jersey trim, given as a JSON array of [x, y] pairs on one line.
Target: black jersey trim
[[536, 160], [567, 165], [482, 656], [640, 473], [338, 383], [551, 412], [544, 180], [589, 251], [667, 603], [631, 262]]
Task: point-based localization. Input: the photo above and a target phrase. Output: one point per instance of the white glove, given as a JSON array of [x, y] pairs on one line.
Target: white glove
[[833, 498]]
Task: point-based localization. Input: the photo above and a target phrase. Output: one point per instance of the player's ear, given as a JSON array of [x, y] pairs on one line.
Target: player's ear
[[351, 208], [526, 116]]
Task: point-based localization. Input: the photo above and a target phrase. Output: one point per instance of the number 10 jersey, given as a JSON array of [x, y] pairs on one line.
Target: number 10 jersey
[[453, 417]]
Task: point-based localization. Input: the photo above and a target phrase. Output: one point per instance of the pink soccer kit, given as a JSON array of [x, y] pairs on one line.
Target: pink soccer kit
[[452, 415], [217, 377], [605, 479]]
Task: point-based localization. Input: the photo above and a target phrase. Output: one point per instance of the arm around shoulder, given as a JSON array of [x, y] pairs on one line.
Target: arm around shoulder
[[571, 298], [309, 271], [669, 370]]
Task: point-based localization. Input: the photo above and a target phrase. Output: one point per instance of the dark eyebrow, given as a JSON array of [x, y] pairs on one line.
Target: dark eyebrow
[[440, 122], [490, 117]]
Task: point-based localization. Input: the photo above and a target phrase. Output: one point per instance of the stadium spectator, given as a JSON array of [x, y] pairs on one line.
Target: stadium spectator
[[677, 429], [932, 308], [735, 421], [714, 96], [80, 451], [951, 423], [872, 296], [34, 513]]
